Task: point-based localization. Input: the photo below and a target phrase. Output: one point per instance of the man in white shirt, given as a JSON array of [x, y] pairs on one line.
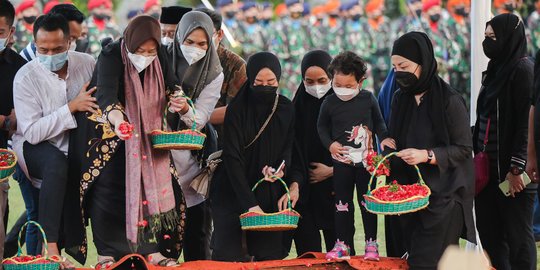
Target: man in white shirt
[[47, 92]]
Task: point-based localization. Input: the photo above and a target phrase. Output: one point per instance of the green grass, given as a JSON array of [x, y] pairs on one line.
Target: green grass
[[17, 207]]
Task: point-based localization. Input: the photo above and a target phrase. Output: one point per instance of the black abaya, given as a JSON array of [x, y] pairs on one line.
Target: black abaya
[[231, 193]]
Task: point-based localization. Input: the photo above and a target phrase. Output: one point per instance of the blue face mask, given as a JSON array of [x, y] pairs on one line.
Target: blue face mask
[[53, 62], [3, 43]]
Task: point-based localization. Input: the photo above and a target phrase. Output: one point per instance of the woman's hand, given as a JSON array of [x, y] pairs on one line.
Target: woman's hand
[[256, 208], [270, 173], [178, 105], [532, 168], [413, 156], [294, 192], [515, 183], [319, 173], [388, 143]]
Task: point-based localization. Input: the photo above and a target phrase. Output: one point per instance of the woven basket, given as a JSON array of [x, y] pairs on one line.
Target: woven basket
[[35, 264], [409, 205], [281, 221], [7, 171], [188, 139]]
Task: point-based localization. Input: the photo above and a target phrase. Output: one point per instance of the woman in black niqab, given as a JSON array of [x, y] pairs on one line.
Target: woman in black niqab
[[503, 114], [430, 123], [258, 132]]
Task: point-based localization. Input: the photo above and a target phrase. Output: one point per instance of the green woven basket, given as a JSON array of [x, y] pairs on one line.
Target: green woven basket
[[36, 263], [7, 171], [408, 205], [188, 139], [281, 221]]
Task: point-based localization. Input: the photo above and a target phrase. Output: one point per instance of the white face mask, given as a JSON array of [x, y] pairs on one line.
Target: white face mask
[[72, 46], [346, 94], [215, 40], [192, 53], [318, 90], [140, 61], [166, 41], [3, 43]]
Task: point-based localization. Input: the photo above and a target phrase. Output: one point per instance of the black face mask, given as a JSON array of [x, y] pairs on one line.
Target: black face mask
[[491, 48], [334, 16], [461, 12], [29, 19], [509, 7], [435, 17], [155, 15], [356, 17], [82, 45], [264, 89], [230, 14], [418, 12], [102, 16], [407, 82]]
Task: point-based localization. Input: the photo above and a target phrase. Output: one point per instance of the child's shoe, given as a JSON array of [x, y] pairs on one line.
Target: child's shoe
[[372, 251], [340, 251]]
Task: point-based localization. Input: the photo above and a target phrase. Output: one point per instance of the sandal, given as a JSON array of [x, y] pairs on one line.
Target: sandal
[[105, 264], [166, 262], [66, 264]]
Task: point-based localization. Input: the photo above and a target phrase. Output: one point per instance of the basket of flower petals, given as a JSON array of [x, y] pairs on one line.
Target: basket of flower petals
[[397, 199]]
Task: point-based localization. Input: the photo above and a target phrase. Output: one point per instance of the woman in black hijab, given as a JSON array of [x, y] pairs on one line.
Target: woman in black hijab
[[258, 135], [312, 162], [430, 124], [505, 222]]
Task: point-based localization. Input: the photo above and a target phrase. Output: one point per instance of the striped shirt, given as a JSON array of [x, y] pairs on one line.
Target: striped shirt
[[29, 52]]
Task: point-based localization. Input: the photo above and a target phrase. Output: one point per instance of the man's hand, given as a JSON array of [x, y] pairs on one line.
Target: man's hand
[[84, 101]]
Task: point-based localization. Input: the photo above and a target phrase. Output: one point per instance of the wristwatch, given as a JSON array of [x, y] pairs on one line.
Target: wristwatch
[[516, 170], [430, 155]]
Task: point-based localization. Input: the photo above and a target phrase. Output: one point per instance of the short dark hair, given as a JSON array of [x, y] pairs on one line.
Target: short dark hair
[[7, 11], [70, 12], [217, 19], [348, 63], [51, 22]]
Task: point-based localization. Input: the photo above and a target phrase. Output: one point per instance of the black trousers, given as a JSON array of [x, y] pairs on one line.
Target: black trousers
[[45, 161], [425, 245], [345, 179], [106, 207], [227, 238], [505, 228], [198, 232]]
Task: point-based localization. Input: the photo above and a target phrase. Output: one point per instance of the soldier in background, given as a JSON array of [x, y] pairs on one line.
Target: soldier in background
[[100, 25], [379, 53], [153, 8], [290, 42], [27, 13], [446, 49], [460, 28], [252, 34]]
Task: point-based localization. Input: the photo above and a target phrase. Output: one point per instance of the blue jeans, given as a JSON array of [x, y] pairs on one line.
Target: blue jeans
[[30, 196]]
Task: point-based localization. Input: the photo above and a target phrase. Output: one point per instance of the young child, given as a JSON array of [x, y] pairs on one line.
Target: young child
[[348, 123]]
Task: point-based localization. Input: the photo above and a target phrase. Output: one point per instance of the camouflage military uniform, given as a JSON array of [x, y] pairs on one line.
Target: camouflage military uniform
[[234, 28], [379, 52], [357, 39], [22, 36], [460, 75], [446, 49], [291, 41], [252, 39], [534, 28], [334, 37], [95, 36]]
